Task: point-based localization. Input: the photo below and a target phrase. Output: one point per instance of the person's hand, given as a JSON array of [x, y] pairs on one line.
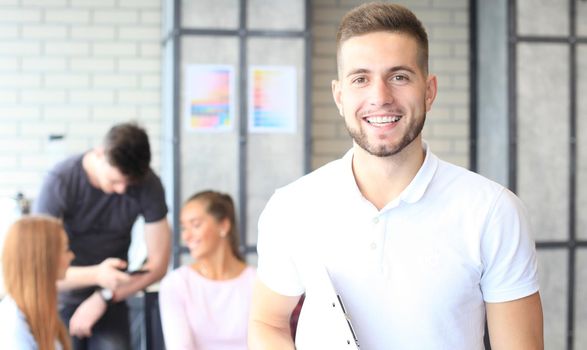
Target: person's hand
[[108, 274], [86, 315]]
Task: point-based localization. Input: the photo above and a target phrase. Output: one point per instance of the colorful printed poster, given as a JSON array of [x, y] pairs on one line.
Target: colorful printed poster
[[272, 99], [209, 101]]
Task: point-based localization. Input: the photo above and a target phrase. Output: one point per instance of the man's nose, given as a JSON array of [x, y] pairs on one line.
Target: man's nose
[[381, 93], [120, 189]]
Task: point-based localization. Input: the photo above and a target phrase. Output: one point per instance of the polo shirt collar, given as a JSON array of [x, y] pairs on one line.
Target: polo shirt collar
[[412, 193], [420, 182]]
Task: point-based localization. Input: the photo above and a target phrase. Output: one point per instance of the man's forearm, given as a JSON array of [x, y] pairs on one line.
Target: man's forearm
[[263, 336], [158, 242], [79, 277], [155, 271]]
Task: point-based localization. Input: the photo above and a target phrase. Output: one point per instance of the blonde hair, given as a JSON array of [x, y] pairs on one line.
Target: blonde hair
[[30, 262]]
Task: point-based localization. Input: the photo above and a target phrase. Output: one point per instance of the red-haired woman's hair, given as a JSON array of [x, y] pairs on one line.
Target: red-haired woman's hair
[[30, 262]]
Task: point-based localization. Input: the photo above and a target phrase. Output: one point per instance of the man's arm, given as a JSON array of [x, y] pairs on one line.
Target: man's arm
[[158, 242], [107, 274], [269, 322], [516, 324]]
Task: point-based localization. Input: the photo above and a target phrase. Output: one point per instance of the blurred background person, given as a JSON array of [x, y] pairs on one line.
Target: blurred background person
[[206, 305], [99, 195], [35, 256]]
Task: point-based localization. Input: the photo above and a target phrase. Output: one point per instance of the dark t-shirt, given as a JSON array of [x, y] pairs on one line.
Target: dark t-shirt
[[98, 224]]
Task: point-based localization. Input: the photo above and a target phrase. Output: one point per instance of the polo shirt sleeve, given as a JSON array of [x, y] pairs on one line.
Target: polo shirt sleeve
[[275, 247], [508, 252], [152, 199], [52, 198]]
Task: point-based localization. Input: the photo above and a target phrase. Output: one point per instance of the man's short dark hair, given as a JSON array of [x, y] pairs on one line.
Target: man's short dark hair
[[384, 17], [126, 147]]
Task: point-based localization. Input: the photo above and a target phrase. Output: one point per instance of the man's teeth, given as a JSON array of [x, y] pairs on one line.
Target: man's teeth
[[383, 120]]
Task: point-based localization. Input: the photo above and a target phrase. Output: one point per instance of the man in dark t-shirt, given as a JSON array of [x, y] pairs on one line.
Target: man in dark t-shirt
[[99, 195]]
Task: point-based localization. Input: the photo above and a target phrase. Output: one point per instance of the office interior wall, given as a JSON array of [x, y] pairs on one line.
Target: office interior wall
[[532, 138], [73, 68], [492, 90], [247, 163]]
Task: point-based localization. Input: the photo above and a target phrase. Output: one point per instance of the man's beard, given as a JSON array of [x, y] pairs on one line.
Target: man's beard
[[387, 150]]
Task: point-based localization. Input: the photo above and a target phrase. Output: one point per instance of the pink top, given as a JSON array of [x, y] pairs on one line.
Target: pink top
[[199, 313]]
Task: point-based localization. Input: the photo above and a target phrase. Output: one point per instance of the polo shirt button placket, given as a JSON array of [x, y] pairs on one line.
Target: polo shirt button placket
[[376, 231]]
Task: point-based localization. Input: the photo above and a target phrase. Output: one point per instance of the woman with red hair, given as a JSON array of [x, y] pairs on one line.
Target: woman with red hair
[[35, 256]]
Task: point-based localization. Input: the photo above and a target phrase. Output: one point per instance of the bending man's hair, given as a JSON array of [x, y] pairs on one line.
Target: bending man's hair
[[127, 148]]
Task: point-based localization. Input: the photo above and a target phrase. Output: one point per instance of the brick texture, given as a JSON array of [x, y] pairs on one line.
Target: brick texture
[[73, 67], [76, 67]]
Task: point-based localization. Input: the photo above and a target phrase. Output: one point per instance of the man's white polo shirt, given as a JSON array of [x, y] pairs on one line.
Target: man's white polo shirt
[[414, 275]]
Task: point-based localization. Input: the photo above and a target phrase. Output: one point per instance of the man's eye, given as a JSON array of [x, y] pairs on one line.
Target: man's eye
[[399, 78], [359, 80]]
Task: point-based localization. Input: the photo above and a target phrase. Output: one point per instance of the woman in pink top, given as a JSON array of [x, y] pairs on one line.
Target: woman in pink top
[[206, 305]]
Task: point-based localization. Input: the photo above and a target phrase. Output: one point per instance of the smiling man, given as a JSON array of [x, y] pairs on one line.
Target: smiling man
[[421, 251], [99, 195]]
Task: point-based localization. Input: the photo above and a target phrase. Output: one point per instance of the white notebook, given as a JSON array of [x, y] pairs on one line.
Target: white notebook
[[324, 322]]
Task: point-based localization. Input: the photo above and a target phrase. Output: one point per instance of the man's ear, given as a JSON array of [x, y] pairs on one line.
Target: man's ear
[[99, 151], [337, 95], [431, 90]]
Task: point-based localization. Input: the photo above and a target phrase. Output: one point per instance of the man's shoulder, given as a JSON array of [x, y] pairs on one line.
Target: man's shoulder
[[317, 180], [306, 194], [68, 168], [68, 163], [463, 177], [469, 188], [150, 181]]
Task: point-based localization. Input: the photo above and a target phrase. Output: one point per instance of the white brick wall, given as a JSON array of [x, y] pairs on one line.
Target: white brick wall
[[447, 129], [78, 66], [73, 67]]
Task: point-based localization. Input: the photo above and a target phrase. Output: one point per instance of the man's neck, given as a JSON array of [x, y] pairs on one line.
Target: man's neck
[[89, 161], [382, 179]]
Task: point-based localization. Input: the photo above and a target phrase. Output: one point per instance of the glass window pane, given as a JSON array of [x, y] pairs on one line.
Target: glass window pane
[[543, 17], [209, 158], [581, 199], [275, 159], [581, 300], [553, 271], [581, 18], [543, 129], [276, 14], [217, 14]]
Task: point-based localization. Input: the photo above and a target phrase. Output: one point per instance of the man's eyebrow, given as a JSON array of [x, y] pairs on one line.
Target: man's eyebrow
[[357, 71], [390, 70], [400, 68]]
